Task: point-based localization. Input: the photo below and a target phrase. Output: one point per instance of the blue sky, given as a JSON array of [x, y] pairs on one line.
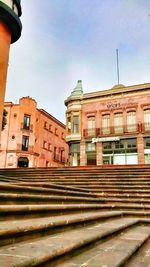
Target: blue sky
[[68, 40]]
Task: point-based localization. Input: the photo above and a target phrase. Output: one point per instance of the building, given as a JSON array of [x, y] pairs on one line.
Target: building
[[32, 137], [110, 126]]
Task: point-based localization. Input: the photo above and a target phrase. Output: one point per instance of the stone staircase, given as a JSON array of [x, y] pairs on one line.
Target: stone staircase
[[67, 217]]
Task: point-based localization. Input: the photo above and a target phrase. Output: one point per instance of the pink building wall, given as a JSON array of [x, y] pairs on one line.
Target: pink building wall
[[38, 156]]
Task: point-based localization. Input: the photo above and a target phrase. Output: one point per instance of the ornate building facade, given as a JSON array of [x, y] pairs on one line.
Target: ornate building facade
[[110, 126], [32, 137]]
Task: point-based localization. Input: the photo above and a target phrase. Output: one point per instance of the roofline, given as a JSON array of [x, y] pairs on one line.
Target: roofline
[[52, 118], [112, 91]]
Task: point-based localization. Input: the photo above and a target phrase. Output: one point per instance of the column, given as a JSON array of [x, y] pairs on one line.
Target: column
[[99, 154], [83, 159], [140, 149], [5, 40]]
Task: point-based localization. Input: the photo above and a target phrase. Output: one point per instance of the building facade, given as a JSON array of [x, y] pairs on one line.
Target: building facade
[[110, 126], [32, 137]]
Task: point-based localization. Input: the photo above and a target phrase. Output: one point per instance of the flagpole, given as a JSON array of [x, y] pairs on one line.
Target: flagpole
[[117, 65]]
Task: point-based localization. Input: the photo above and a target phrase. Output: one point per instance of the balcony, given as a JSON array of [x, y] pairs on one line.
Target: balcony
[[58, 158], [111, 131], [27, 127], [91, 132]]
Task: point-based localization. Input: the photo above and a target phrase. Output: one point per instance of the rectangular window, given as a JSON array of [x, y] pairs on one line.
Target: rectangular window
[[75, 124], [106, 124], [147, 142], [91, 126], [118, 122], [26, 122], [44, 144], [69, 124], [45, 125], [75, 148], [90, 147], [25, 143], [147, 119], [131, 121]]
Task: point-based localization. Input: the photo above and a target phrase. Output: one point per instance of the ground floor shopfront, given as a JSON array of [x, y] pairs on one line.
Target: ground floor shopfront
[[116, 150]]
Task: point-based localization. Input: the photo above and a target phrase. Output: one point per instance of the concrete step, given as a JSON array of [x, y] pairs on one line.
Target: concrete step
[[141, 257], [115, 251], [22, 229], [43, 249], [50, 189], [30, 211], [28, 198]]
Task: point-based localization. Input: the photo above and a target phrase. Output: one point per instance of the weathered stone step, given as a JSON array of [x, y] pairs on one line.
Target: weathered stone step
[[28, 210], [22, 198], [113, 252], [18, 230], [5, 187], [44, 249], [142, 257]]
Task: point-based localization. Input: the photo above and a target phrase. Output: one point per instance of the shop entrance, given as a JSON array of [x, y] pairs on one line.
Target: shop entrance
[[23, 162]]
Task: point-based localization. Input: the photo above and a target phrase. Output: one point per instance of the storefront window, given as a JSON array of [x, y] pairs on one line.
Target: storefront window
[[147, 142], [75, 154], [91, 154], [131, 143]]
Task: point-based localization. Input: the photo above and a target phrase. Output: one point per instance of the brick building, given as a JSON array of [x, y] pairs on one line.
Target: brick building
[[32, 137], [110, 126]]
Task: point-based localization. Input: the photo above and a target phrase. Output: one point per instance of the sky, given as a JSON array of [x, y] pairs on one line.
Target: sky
[[68, 40]]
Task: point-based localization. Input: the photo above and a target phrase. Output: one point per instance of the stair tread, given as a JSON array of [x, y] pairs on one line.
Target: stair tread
[[112, 252], [27, 225], [28, 252]]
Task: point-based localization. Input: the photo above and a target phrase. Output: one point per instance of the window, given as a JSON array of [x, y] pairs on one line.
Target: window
[[69, 124], [45, 125], [91, 154], [26, 122], [147, 119], [49, 147], [119, 144], [118, 122], [75, 148], [91, 126], [55, 150], [90, 147], [131, 143], [131, 121], [62, 136], [50, 128], [44, 144], [147, 142], [106, 124], [25, 143], [75, 124], [56, 131]]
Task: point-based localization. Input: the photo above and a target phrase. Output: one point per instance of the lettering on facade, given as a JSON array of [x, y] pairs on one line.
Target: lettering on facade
[[122, 104], [105, 139]]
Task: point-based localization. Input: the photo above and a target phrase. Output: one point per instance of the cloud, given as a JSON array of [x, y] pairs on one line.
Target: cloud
[[67, 40]]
